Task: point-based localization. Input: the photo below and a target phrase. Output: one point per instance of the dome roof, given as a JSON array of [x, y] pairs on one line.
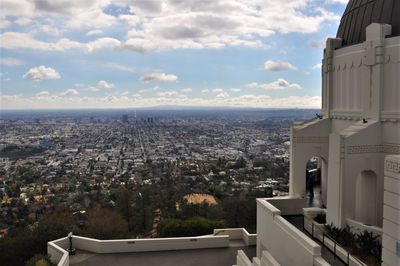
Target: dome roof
[[360, 13]]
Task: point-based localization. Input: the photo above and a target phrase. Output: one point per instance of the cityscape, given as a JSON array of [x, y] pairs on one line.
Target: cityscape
[[179, 163]]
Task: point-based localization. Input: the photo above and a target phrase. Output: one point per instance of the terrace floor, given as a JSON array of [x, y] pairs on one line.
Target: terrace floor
[[196, 257]]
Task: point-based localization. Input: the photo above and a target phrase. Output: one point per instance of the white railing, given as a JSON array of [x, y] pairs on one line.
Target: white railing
[[242, 259], [238, 233], [287, 244], [317, 232], [288, 205], [58, 254], [268, 260]]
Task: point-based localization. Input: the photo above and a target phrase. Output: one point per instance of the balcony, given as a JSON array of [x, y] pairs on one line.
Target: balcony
[[217, 249]]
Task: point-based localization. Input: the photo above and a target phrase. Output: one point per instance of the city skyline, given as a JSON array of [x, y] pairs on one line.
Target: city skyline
[[129, 54]]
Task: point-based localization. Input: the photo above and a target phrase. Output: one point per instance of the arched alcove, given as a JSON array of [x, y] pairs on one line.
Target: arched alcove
[[366, 209], [316, 180]]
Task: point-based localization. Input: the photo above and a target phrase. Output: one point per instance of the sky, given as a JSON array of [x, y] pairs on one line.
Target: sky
[[142, 53]]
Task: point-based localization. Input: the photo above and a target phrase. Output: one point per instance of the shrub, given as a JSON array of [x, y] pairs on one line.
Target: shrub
[[194, 226], [39, 260], [367, 244]]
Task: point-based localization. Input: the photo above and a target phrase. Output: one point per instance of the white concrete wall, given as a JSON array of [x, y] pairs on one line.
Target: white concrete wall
[[242, 259], [391, 213], [288, 205], [267, 259], [348, 81], [237, 233], [287, 244], [144, 245], [57, 251]]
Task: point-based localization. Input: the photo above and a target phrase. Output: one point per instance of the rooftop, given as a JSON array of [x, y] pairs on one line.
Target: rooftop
[[211, 256]]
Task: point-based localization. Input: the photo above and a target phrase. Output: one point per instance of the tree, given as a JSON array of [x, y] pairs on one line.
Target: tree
[[194, 226], [104, 223], [240, 212], [124, 202], [17, 248]]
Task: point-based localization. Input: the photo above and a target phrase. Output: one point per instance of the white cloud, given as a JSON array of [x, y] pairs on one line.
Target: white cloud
[[278, 66], [70, 93], [343, 2], [43, 94], [279, 84], [46, 29], [317, 66], [123, 101], [168, 93], [205, 91], [119, 67], [187, 90], [168, 24], [222, 95], [102, 84], [10, 61], [218, 90], [41, 73], [318, 44], [235, 89], [17, 40], [92, 89], [94, 32], [163, 77], [23, 21], [4, 23]]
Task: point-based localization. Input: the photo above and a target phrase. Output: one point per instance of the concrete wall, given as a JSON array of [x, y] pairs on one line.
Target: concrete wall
[[242, 259], [57, 251], [287, 244], [144, 245], [267, 259], [58, 254], [237, 233], [391, 211], [288, 205]]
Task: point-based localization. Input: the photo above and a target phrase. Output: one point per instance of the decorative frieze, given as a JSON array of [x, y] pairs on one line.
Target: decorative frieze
[[358, 149], [392, 166], [385, 148], [311, 139], [391, 148]]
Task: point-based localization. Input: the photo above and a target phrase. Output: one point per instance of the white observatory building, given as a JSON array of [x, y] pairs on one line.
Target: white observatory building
[[356, 138]]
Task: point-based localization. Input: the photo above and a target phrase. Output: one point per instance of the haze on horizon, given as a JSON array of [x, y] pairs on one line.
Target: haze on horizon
[[134, 53]]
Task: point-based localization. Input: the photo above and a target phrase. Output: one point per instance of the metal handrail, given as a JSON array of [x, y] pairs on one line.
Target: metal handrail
[[335, 244]]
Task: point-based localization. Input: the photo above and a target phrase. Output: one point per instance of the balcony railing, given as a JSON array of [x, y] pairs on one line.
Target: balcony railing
[[318, 233]]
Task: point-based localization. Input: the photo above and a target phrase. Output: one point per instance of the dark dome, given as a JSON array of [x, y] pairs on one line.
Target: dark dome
[[360, 13]]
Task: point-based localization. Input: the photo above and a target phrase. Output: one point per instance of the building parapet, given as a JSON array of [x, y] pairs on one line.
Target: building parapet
[[286, 244], [59, 255], [237, 233]]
